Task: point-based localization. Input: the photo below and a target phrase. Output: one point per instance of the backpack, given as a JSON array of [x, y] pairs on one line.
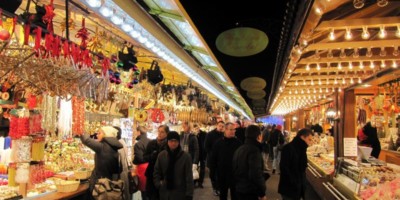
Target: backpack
[[154, 74]]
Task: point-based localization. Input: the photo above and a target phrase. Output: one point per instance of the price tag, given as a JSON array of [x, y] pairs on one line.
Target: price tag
[[350, 146]]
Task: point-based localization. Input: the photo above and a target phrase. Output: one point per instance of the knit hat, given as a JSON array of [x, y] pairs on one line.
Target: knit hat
[[109, 131], [252, 132], [279, 127], [173, 135]]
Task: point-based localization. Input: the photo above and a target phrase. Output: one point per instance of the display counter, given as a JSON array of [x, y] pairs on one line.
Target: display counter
[[390, 156], [82, 189]]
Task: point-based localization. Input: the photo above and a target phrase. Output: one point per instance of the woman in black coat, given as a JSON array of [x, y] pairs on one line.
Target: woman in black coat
[[372, 139]]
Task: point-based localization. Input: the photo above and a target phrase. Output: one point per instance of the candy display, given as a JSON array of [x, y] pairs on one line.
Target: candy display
[[323, 163], [380, 182], [21, 149], [38, 145], [12, 167]]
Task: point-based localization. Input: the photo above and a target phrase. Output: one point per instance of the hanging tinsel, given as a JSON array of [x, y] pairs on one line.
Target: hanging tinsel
[[65, 119], [49, 109], [78, 115]]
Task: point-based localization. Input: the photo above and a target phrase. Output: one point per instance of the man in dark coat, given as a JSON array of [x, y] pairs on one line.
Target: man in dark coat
[[221, 159], [211, 138], [293, 166], [239, 131], [173, 174], [275, 140], [189, 143], [139, 150], [201, 137], [248, 167], [106, 163], [152, 150], [265, 146]]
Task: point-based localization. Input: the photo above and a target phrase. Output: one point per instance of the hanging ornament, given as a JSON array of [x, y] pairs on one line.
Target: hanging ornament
[[48, 17], [4, 34], [83, 34], [95, 43]]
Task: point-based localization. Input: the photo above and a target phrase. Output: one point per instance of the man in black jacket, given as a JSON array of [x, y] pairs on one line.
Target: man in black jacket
[[139, 150], [152, 150], [201, 137], [248, 167], [221, 159], [211, 138], [293, 166]]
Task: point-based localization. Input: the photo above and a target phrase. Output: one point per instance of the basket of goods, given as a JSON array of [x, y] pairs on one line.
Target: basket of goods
[[67, 186], [82, 174]]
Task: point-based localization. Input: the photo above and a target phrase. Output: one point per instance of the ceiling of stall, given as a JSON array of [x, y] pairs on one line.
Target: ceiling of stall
[[340, 47], [249, 66]]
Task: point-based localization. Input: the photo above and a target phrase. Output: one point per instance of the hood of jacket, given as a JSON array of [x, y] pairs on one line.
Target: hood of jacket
[[113, 142]]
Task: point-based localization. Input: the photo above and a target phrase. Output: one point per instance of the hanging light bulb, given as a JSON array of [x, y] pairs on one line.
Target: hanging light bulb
[[351, 81], [327, 81], [359, 80], [320, 90], [308, 91], [398, 31], [94, 3], [296, 92], [382, 52], [332, 36], [350, 65], [335, 82], [356, 54], [304, 82], [365, 34], [318, 67], [324, 96], [340, 66], [382, 32], [330, 54], [339, 89], [383, 64], [348, 34], [290, 91], [327, 90], [319, 82], [394, 65], [302, 91], [382, 3], [369, 53], [296, 83], [396, 51], [343, 81], [315, 91], [308, 67], [342, 54], [361, 65], [372, 65], [312, 82]]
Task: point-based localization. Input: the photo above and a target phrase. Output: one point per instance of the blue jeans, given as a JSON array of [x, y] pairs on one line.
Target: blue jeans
[[277, 158]]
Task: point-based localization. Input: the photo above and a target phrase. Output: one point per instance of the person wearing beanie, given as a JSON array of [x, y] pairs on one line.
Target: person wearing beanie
[[221, 160], [153, 148], [173, 174], [276, 140], [248, 173], [292, 181], [106, 159]]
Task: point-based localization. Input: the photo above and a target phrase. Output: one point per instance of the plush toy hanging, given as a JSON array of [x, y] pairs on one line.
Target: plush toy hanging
[[83, 34]]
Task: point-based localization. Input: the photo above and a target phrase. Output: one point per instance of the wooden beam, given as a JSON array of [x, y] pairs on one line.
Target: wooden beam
[[358, 23], [313, 60], [352, 45]]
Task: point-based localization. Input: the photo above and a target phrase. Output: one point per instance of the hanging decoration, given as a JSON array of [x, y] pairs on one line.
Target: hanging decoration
[[157, 116], [78, 115], [49, 109], [95, 43], [83, 34], [48, 17], [4, 33], [65, 119]]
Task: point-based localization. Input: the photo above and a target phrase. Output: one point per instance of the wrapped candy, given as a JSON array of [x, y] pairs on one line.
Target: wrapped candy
[[22, 149], [12, 170], [22, 173]]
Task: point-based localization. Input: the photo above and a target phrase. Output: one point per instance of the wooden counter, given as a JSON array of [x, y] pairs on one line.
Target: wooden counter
[[65, 195], [390, 156]]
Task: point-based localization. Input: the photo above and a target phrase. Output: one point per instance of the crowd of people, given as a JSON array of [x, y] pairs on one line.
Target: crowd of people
[[236, 157]]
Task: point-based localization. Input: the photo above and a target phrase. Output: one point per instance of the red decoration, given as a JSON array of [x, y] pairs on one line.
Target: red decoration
[[48, 17], [4, 34], [83, 34], [157, 116]]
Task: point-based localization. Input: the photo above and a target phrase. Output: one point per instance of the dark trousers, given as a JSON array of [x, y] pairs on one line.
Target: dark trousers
[[202, 171], [289, 198], [213, 177], [247, 196], [223, 190], [151, 190]]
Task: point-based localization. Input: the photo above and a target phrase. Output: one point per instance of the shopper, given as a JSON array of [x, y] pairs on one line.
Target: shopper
[[239, 131], [292, 181], [201, 137], [248, 167], [276, 140], [125, 163], [154, 147], [221, 160], [141, 164], [106, 158], [173, 174], [189, 143], [372, 139], [211, 138], [265, 146]]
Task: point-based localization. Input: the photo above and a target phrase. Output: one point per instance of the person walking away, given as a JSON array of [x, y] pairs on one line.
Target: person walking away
[[173, 174], [293, 165], [154, 147], [276, 139], [141, 164], [201, 137], [239, 131], [190, 144], [211, 138], [265, 146], [126, 164], [247, 166], [221, 160], [106, 158]]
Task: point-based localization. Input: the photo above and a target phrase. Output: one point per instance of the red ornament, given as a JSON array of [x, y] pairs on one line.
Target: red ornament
[[4, 35]]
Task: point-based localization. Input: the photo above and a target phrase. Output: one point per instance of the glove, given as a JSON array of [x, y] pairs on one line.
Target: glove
[[188, 198], [194, 166]]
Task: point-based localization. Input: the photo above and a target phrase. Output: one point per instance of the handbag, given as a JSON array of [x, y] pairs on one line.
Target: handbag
[[154, 74], [133, 182], [106, 189]]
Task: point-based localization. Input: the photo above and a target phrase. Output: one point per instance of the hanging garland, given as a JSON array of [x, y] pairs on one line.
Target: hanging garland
[[48, 17], [78, 115], [49, 114], [65, 120]]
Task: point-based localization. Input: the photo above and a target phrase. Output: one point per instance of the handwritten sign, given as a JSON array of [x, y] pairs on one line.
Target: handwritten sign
[[350, 146]]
